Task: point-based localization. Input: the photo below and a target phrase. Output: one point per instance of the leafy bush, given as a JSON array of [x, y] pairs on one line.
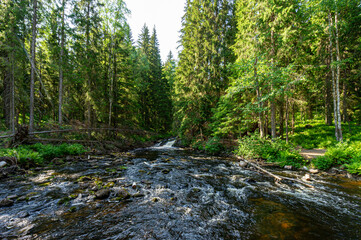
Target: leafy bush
[[323, 163], [254, 147], [213, 146], [354, 167]]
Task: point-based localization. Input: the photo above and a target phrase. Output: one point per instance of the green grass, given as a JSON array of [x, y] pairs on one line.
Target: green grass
[[321, 135], [39, 154]]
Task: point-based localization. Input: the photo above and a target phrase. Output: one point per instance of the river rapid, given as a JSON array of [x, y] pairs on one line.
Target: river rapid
[[165, 192]]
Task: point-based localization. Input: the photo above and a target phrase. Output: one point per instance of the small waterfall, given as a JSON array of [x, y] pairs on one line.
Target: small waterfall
[[169, 144]]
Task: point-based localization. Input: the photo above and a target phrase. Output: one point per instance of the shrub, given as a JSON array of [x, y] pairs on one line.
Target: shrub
[[254, 147], [323, 163], [354, 168], [213, 146]]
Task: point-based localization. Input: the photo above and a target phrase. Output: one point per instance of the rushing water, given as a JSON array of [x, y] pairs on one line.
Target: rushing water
[[169, 193]]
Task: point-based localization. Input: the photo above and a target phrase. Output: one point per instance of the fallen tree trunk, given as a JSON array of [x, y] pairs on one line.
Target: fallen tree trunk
[[278, 178]]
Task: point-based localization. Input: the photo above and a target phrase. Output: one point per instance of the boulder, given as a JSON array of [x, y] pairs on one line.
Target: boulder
[[102, 194], [288, 167], [6, 202], [313, 171], [307, 177], [3, 164], [243, 164], [122, 194]]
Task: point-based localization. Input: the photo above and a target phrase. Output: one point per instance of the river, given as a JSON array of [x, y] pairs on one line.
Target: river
[[165, 192]]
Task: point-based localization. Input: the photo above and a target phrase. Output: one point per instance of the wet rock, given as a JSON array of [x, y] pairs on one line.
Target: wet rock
[[165, 171], [122, 194], [134, 185], [250, 180], [138, 195], [3, 164], [6, 202], [307, 177], [304, 168], [98, 205], [155, 199], [12, 197], [313, 171], [23, 214], [288, 167], [243, 164], [102, 194]]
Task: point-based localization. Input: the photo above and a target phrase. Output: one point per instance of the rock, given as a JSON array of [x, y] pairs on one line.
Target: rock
[[98, 205], [122, 194], [102, 194], [250, 180], [304, 168], [6, 202], [288, 167], [2, 164], [138, 195], [307, 177], [23, 214], [243, 164], [165, 171], [12, 197], [313, 171], [134, 185]]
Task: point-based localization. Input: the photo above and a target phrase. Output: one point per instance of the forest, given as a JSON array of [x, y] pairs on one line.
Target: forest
[[276, 74]]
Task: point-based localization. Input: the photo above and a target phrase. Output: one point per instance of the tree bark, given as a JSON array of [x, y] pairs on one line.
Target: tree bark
[[286, 122], [333, 76], [32, 73], [258, 92], [338, 80], [60, 110], [328, 97], [273, 106]]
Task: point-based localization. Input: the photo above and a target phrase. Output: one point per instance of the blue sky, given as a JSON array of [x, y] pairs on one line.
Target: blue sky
[[165, 15]]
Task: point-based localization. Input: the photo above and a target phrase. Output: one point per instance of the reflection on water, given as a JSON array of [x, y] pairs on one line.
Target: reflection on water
[[170, 193]]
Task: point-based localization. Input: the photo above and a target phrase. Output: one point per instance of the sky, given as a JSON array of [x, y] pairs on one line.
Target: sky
[[165, 15]]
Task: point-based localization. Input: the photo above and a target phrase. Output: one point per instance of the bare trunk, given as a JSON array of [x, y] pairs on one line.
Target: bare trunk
[[328, 97], [340, 138], [333, 76], [286, 122], [110, 77], [60, 110], [281, 118], [273, 106], [293, 118], [32, 73], [12, 98], [258, 92]]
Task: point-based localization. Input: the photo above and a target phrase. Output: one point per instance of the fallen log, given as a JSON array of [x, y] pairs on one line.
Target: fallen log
[[278, 178]]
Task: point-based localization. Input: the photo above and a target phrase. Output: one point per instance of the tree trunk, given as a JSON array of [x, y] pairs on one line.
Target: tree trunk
[[281, 118], [273, 106], [60, 110], [293, 118], [286, 122], [12, 98], [338, 80], [328, 97], [258, 92], [333, 76], [32, 73]]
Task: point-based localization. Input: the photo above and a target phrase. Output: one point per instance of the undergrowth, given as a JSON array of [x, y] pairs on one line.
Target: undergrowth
[[39, 154], [279, 151]]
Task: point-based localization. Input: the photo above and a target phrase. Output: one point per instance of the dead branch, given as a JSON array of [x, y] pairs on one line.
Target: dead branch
[[278, 178]]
